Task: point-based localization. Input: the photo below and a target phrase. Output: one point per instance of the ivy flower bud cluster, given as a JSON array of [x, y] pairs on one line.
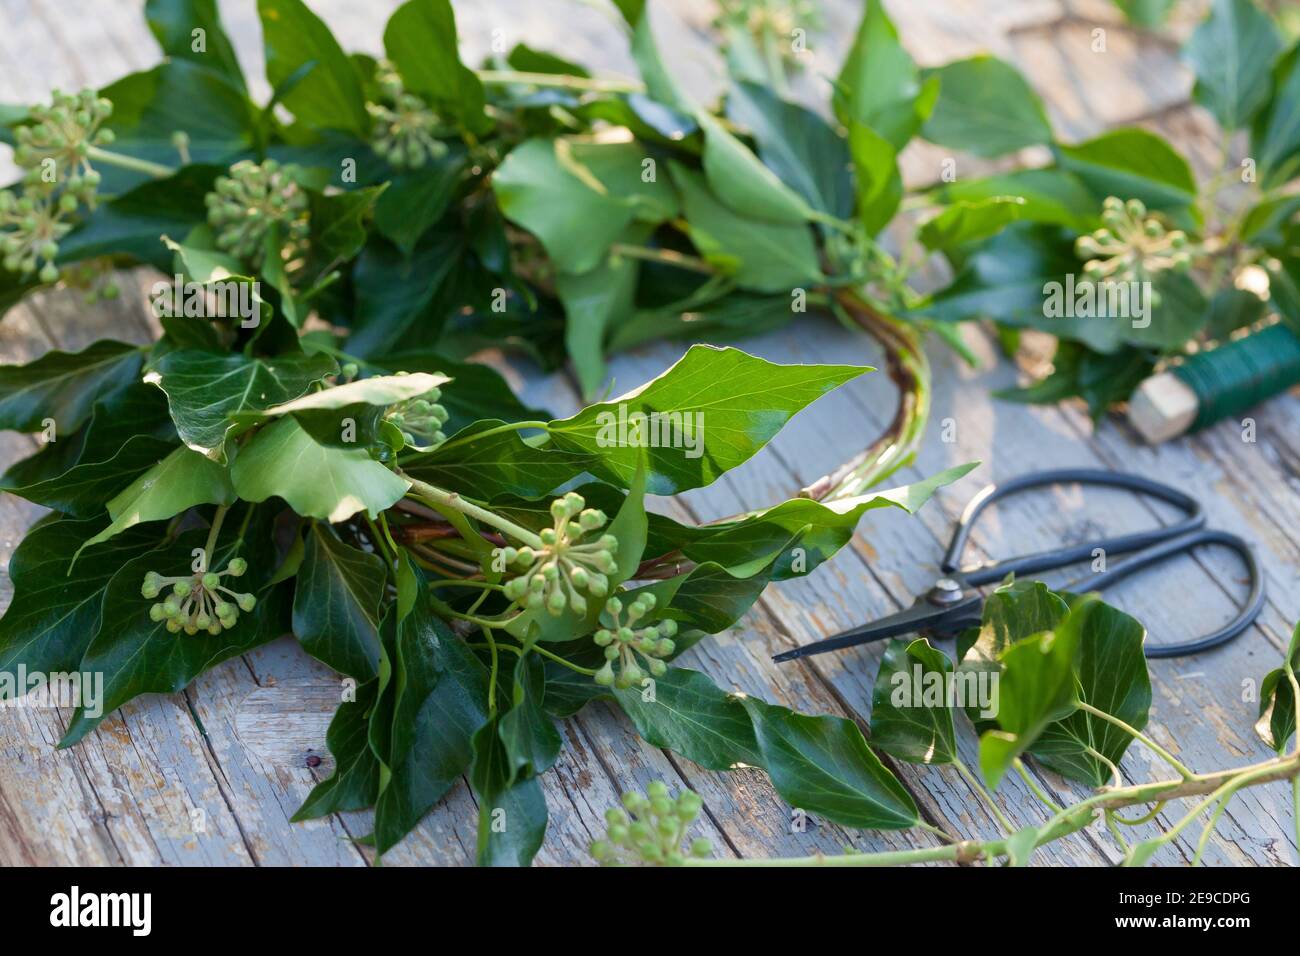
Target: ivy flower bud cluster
[[420, 417], [569, 567], [405, 130], [54, 149], [650, 830], [199, 601], [1132, 246], [623, 642], [245, 205]]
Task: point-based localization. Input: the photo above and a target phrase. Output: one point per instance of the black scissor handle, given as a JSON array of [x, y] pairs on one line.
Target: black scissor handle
[[1070, 554], [1249, 610]]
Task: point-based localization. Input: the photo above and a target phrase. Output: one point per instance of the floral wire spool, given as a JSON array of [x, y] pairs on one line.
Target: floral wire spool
[[1217, 384]]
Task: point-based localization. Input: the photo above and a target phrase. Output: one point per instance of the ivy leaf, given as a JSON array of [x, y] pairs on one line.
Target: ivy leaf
[[742, 182], [354, 784], [440, 707], [760, 255], [911, 709], [879, 183], [178, 95], [206, 391], [338, 222], [414, 201], [1111, 671], [56, 605], [511, 816], [180, 481], [822, 765], [659, 82], [986, 108], [336, 604], [1045, 195], [82, 490], [818, 529], [1014, 612], [1275, 137], [531, 742], [329, 95], [498, 463], [420, 39], [173, 23], [1277, 700], [1037, 688], [330, 484], [593, 301], [1232, 52], [140, 656], [397, 292], [1132, 164], [879, 85], [966, 222], [797, 145], [690, 715], [743, 401], [578, 198], [64, 386]]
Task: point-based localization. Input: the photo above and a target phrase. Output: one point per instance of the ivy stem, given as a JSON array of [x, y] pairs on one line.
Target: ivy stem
[[558, 81], [549, 655], [1033, 786], [441, 498], [1160, 751], [492, 677], [122, 161], [1007, 826], [213, 531], [665, 256]]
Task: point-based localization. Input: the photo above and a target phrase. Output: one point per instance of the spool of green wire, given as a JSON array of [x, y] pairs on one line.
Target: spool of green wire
[[1236, 376]]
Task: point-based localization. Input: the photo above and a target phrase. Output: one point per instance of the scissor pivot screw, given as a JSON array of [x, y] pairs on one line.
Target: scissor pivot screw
[[945, 591]]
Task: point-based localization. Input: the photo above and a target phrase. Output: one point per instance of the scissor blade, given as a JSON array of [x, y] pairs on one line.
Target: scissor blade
[[915, 618]]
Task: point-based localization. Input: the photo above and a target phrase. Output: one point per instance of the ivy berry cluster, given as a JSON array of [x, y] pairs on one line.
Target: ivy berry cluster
[[55, 152], [1131, 246], [421, 416], [196, 601], [256, 197], [405, 129], [569, 567], [623, 641], [650, 828]]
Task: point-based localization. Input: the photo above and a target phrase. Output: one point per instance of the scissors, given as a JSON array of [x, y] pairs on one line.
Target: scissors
[[953, 602]]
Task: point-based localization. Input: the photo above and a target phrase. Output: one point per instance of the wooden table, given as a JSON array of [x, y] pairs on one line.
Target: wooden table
[[212, 775]]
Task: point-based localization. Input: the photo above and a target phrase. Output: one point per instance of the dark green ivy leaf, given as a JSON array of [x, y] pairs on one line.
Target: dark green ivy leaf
[[205, 391], [511, 816], [64, 386], [1111, 674], [336, 604], [824, 766], [54, 614], [440, 704], [420, 39], [911, 708], [1277, 701]]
